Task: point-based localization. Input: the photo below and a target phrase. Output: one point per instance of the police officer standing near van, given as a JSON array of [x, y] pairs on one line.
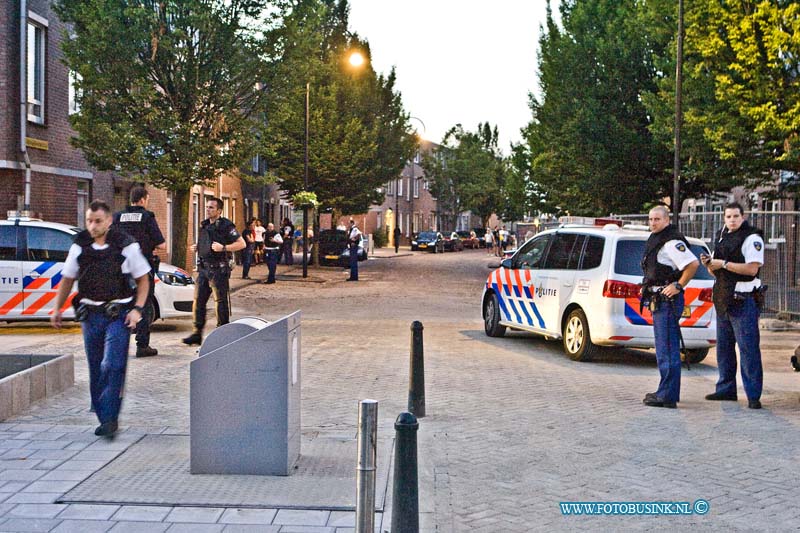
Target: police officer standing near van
[[216, 238], [668, 265], [141, 224], [104, 259], [738, 296], [353, 240]]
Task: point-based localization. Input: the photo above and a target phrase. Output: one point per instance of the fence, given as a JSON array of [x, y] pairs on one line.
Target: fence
[[781, 270]]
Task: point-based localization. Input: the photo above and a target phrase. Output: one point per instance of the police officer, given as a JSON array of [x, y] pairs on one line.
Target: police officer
[[397, 233], [668, 265], [104, 259], [353, 240], [141, 224], [272, 246], [217, 237], [738, 256]]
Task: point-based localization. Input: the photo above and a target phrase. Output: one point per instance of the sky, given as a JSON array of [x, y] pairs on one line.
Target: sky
[[457, 61]]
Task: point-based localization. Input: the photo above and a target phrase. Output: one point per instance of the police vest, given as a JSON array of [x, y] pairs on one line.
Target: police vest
[[136, 221], [100, 276], [219, 231], [656, 273], [729, 248]]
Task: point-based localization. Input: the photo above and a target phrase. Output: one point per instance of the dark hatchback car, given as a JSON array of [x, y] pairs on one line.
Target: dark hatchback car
[[428, 241], [333, 248]]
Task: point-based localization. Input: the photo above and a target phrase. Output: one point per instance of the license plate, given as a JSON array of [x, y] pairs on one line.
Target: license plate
[[423, 245], [334, 257], [687, 312]]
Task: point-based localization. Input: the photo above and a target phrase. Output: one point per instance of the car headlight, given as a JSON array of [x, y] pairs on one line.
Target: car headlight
[[175, 278]]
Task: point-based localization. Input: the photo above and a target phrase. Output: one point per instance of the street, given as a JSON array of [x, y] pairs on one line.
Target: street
[[513, 427]]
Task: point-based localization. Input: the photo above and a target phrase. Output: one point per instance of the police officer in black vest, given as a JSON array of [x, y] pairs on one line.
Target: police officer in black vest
[[108, 304], [668, 265], [738, 296], [218, 236], [141, 224]]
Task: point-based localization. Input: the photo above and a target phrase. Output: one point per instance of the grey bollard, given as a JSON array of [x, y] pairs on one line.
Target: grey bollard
[[245, 399], [405, 492], [416, 374], [366, 469]]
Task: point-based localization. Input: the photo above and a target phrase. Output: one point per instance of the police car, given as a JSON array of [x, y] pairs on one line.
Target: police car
[[580, 284], [32, 255]]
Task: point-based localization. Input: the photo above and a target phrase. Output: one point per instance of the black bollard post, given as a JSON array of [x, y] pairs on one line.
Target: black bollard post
[[405, 492], [416, 375]]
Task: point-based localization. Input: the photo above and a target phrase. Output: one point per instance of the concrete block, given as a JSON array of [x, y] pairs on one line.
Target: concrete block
[[38, 383], [6, 395], [20, 391]]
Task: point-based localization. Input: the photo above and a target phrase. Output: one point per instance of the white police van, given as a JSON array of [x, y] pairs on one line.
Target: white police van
[[32, 255], [580, 284]]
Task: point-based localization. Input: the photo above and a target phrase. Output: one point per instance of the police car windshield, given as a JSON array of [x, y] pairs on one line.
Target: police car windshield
[[629, 257]]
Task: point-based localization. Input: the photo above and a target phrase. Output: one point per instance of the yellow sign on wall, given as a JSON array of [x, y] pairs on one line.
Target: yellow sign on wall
[[38, 144]]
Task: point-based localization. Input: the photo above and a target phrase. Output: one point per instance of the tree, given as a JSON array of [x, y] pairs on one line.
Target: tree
[[467, 173], [741, 94], [589, 136], [166, 89]]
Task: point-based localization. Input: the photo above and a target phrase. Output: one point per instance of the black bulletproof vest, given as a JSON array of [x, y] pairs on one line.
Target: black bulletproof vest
[[729, 248], [100, 276], [135, 221], [654, 272], [219, 231]]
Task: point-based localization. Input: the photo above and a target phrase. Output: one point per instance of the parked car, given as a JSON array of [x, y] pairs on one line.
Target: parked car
[[428, 241], [32, 255], [469, 239], [333, 248], [452, 243], [480, 233], [581, 285]]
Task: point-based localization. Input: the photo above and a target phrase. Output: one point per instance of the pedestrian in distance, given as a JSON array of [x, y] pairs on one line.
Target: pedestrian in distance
[[249, 237], [498, 251], [141, 224], [668, 265], [353, 243], [287, 234], [397, 233], [487, 239], [272, 246], [108, 307], [217, 237], [258, 251], [738, 296]]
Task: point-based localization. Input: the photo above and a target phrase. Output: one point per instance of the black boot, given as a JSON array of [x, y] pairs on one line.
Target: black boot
[[194, 338], [145, 351]]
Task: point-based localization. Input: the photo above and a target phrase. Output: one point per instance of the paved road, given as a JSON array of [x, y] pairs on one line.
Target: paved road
[[513, 426]]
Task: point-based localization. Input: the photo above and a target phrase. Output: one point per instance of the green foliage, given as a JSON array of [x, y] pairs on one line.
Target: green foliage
[[305, 199], [468, 173], [381, 237]]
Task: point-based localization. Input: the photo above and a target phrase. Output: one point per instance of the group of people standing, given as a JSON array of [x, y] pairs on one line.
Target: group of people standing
[[668, 265], [274, 246], [499, 240]]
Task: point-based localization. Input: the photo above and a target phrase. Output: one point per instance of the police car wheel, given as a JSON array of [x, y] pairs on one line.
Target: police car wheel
[[491, 318], [694, 356], [576, 339]]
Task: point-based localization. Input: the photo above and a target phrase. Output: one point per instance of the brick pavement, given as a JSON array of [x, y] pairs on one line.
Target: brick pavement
[[513, 426]]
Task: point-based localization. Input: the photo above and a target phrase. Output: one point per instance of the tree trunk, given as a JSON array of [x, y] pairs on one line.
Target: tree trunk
[[180, 229]]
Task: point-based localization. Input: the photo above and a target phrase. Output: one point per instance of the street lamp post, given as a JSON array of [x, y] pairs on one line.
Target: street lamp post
[[676, 170]]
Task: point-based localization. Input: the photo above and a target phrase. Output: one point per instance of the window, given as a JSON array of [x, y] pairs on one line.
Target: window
[[36, 67], [593, 253], [45, 244], [83, 202], [416, 188], [531, 255], [562, 250], [378, 219], [408, 189], [74, 92], [8, 243], [400, 187], [390, 188]]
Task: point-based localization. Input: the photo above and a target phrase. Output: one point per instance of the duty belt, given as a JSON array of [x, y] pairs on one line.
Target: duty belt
[[213, 264]]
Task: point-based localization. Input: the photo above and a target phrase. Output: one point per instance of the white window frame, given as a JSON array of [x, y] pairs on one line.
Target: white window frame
[[408, 189], [36, 65], [379, 219], [400, 187], [416, 188], [73, 106]]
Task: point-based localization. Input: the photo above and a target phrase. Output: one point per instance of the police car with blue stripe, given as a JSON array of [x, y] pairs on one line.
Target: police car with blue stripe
[[32, 255], [580, 283]]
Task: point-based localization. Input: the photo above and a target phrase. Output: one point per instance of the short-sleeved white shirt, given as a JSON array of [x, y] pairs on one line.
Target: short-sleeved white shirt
[[259, 233], [675, 254], [753, 252], [134, 264]]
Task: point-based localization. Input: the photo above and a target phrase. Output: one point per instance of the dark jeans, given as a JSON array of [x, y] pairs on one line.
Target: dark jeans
[[354, 263], [247, 260], [211, 281], [740, 326], [667, 333], [272, 263], [288, 257], [143, 327], [106, 341]]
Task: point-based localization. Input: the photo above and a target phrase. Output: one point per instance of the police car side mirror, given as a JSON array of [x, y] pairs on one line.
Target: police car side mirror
[[506, 263]]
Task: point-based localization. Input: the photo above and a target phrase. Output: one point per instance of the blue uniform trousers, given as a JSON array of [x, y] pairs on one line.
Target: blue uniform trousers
[[739, 326], [272, 263], [667, 333], [354, 263], [106, 341]]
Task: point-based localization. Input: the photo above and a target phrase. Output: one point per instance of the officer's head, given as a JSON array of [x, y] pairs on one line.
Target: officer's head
[[658, 219], [734, 216], [270, 227], [98, 219], [139, 196], [352, 222], [213, 209]]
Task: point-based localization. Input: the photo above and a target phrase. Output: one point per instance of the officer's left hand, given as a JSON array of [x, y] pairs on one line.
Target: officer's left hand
[[670, 290], [217, 247], [133, 318]]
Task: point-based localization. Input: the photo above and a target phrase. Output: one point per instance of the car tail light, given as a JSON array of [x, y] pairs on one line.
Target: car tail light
[[620, 289], [705, 295]]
